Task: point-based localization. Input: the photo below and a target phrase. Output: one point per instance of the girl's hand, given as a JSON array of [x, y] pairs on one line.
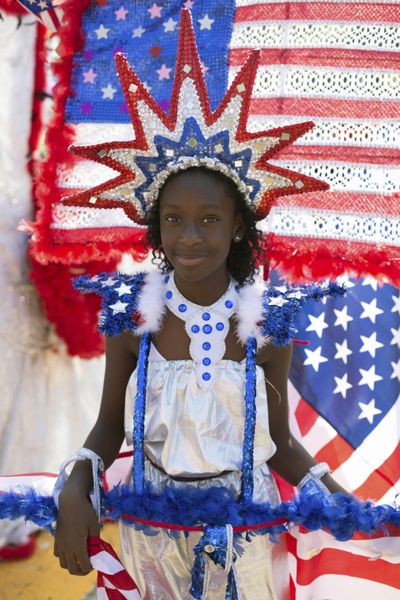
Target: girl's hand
[[77, 520]]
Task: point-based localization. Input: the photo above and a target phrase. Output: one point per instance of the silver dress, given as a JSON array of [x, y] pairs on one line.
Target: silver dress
[[198, 434]]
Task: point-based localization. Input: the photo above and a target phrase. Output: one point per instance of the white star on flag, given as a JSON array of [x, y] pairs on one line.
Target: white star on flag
[[371, 281], [123, 289], [102, 32], [368, 411], [318, 324], [371, 311], [396, 304], [170, 25], [342, 318], [369, 377], [138, 32], [396, 369], [342, 385], [108, 92], [206, 22], [119, 307], [396, 336], [370, 344], [278, 301], [314, 358], [343, 351]]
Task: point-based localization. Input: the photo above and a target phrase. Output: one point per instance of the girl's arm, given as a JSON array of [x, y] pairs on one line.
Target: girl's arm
[[291, 461], [76, 517]]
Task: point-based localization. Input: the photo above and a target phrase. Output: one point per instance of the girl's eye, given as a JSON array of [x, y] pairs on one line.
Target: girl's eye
[[171, 218], [210, 219]]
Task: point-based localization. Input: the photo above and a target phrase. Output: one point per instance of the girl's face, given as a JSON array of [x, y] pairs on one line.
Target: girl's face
[[197, 224]]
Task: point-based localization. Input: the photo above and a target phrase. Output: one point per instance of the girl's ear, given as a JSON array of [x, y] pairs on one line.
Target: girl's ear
[[239, 228]]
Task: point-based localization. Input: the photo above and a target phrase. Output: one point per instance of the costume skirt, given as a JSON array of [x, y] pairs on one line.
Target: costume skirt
[[161, 564]]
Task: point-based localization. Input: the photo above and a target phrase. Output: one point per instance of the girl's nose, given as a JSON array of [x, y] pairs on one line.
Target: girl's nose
[[190, 233]]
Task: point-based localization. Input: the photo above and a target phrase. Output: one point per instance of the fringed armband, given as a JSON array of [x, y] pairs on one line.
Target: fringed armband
[[282, 304]]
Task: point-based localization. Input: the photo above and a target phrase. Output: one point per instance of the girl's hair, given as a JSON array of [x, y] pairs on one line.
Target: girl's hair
[[243, 257]]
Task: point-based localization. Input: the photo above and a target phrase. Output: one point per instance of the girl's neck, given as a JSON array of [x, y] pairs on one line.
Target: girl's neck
[[206, 291]]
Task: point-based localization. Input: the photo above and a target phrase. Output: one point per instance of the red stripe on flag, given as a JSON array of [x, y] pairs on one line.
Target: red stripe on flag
[[353, 154], [320, 11], [335, 452], [344, 201], [382, 479], [320, 57], [305, 416], [339, 562], [322, 107]]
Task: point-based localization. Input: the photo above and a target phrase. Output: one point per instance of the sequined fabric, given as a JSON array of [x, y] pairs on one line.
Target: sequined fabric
[[194, 432]]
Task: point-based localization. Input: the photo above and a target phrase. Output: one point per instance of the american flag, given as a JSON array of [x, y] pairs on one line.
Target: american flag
[[333, 63], [345, 394], [48, 12]]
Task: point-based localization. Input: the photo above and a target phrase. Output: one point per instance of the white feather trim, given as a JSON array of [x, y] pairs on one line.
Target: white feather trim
[[151, 303], [249, 313]]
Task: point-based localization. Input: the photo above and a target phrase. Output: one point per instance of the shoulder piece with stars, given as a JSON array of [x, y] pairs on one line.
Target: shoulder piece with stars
[[282, 304]]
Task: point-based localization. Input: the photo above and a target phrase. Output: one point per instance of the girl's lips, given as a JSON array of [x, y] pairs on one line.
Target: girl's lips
[[189, 261]]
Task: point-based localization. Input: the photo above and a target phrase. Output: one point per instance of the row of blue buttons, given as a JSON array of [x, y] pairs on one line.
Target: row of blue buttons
[[207, 328], [183, 308]]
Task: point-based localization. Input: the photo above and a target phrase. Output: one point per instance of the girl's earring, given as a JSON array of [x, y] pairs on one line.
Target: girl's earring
[[237, 238]]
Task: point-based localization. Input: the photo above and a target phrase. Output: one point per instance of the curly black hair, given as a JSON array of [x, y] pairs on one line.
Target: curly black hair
[[243, 257]]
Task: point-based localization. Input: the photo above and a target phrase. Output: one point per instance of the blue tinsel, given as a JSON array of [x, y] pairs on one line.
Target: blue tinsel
[[249, 421], [110, 323], [340, 514], [279, 322], [140, 413]]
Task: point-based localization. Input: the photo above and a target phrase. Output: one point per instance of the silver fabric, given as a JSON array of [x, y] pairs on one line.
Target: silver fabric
[[196, 432], [161, 564]]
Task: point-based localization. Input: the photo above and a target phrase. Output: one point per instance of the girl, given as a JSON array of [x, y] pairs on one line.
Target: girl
[[205, 241]]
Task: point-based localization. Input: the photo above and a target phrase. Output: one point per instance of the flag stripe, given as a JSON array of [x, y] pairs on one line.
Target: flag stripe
[[320, 11], [306, 416], [335, 452], [382, 479], [337, 57]]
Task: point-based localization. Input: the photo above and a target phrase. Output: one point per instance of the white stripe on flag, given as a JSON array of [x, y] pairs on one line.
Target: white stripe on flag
[[106, 563], [345, 587]]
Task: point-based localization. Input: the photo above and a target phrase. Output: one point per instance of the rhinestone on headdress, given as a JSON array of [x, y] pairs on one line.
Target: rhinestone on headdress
[[191, 135]]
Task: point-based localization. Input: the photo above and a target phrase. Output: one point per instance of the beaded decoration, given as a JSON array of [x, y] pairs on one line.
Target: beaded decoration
[[206, 326], [191, 135]]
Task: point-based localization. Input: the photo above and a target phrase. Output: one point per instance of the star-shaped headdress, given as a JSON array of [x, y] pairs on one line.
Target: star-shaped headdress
[[191, 135]]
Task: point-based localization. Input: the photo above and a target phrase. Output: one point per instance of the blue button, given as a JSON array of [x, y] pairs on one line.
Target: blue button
[[206, 316], [206, 345], [195, 328], [228, 303], [206, 376], [219, 326], [237, 288], [166, 279], [207, 328], [206, 361], [168, 294], [182, 308]]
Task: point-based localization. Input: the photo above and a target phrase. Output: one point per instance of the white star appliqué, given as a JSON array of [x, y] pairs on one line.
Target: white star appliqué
[[343, 351], [396, 304], [371, 311], [278, 301], [123, 289], [314, 358], [368, 411], [170, 25], [396, 369], [370, 344], [119, 307], [342, 318], [342, 385], [318, 324], [109, 281], [138, 32], [369, 377], [206, 22]]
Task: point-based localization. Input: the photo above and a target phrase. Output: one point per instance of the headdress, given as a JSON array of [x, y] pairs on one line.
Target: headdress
[[191, 135]]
